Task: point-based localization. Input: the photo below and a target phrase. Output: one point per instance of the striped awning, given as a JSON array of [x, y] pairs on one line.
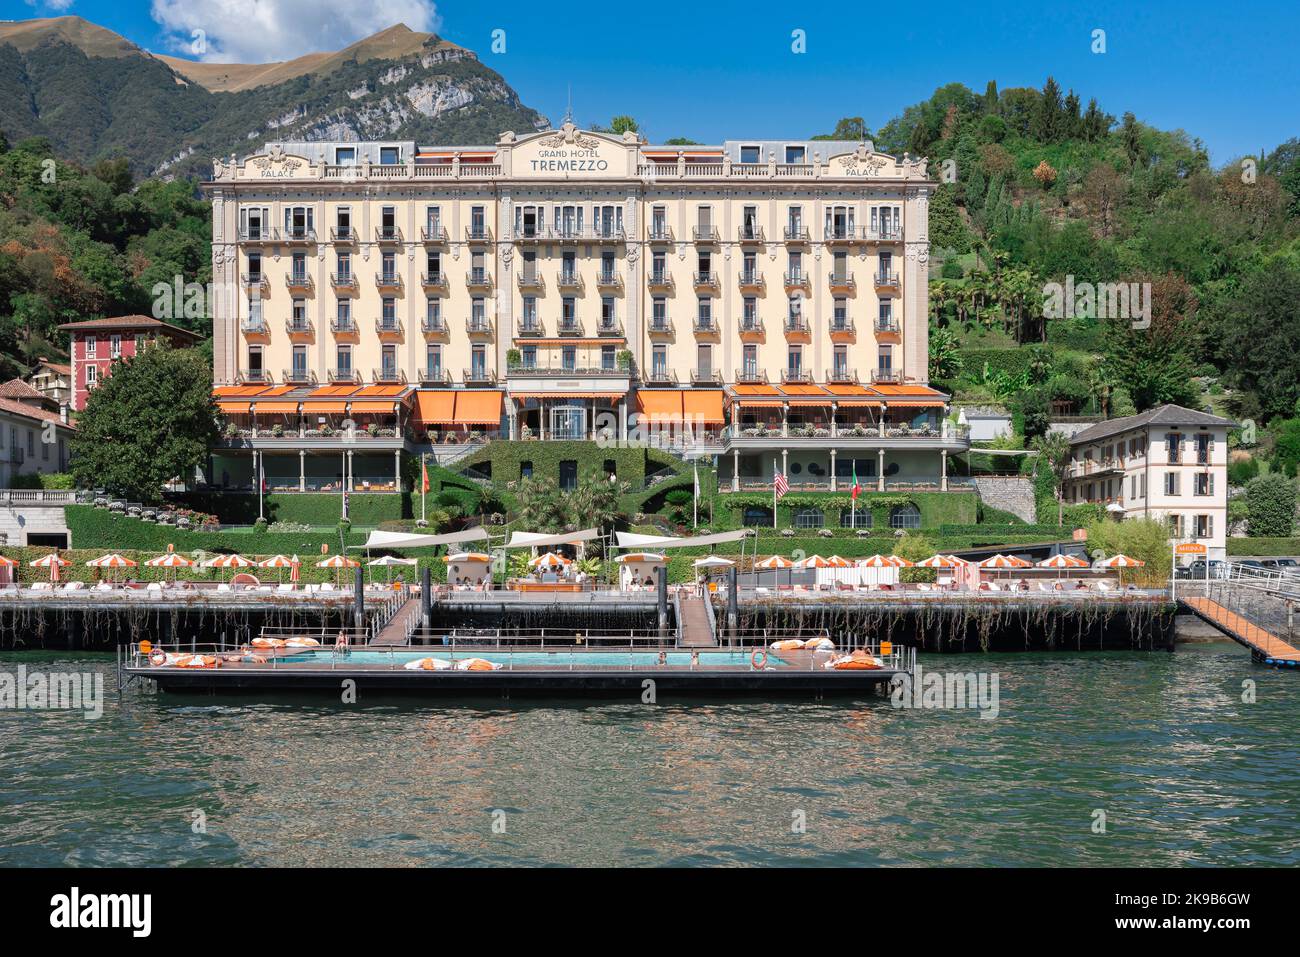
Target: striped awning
[[327, 406], [275, 408], [232, 408]]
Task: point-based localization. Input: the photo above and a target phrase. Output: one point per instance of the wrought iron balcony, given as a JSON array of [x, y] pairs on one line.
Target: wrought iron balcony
[[751, 281], [659, 376], [569, 327], [660, 326], [660, 233], [661, 281], [751, 375], [842, 282], [479, 279], [886, 375], [705, 234], [570, 281], [390, 374], [479, 377], [842, 376], [796, 280], [885, 280], [298, 282], [530, 281], [887, 324], [298, 236], [301, 376], [433, 235], [478, 234], [751, 328], [435, 375], [706, 377], [436, 280], [348, 374], [298, 329], [796, 234], [751, 234], [433, 326], [529, 328], [389, 330], [343, 327], [610, 279], [795, 376], [705, 280], [388, 237], [345, 280], [388, 281], [609, 328], [478, 326], [346, 236]]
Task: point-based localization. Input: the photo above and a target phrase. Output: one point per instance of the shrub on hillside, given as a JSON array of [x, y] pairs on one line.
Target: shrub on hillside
[[1270, 506]]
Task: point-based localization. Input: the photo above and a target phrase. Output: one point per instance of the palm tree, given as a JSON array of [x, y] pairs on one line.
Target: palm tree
[[1054, 452], [541, 507]]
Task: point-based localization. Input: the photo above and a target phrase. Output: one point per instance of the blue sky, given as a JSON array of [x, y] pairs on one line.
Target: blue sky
[[1226, 73]]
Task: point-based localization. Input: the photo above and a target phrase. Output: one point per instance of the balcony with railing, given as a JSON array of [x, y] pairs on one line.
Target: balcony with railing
[[609, 279], [840, 233], [388, 282], [253, 377], [797, 234], [883, 234], [842, 282], [390, 330], [659, 375], [751, 281], [343, 326], [346, 236], [298, 282], [299, 330], [300, 375], [479, 280], [751, 329], [706, 377], [842, 375], [886, 376], [569, 281], [751, 233], [523, 375], [885, 280], [886, 325], [660, 327], [257, 236], [254, 326], [795, 281], [390, 375], [434, 281], [530, 281], [705, 281], [479, 375], [344, 374], [391, 236], [529, 328], [433, 326], [343, 281], [569, 326], [435, 235], [660, 281], [705, 326], [796, 376], [609, 328], [751, 375], [660, 233], [251, 281], [478, 326], [843, 330], [705, 234], [478, 234], [435, 375], [298, 236], [796, 328]]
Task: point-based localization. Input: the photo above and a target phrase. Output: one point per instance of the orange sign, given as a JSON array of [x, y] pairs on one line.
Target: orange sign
[[146, 647], [886, 648], [1189, 548]]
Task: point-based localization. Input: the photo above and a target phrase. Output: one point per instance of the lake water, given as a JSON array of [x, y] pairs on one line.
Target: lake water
[[1184, 771]]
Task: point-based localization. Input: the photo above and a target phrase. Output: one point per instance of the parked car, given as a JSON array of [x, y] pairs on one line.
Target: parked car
[[1196, 570]]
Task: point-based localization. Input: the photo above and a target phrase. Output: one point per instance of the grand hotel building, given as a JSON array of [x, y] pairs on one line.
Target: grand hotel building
[[393, 299]]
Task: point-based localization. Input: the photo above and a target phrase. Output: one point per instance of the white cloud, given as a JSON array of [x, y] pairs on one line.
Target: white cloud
[[259, 31]]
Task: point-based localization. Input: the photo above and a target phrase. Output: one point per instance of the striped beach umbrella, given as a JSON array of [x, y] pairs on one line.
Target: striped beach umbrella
[[111, 560], [942, 561], [485, 557], [550, 560], [53, 562], [776, 561], [227, 561], [279, 563], [898, 561], [1063, 561], [170, 560], [876, 561], [837, 562], [812, 561], [1003, 561], [338, 563], [1120, 561]]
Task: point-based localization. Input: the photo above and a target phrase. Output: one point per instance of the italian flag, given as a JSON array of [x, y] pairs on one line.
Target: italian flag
[[857, 486]]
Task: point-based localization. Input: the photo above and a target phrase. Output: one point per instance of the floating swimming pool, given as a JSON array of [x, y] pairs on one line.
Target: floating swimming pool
[[533, 659]]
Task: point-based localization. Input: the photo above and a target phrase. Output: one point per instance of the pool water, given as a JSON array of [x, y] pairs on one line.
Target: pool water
[[555, 659]]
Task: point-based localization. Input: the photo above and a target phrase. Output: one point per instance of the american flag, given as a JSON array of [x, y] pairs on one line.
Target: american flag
[[781, 485]]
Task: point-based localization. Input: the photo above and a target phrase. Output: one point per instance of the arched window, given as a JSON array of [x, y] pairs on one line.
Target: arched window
[[905, 516], [860, 519], [756, 515], [809, 518]]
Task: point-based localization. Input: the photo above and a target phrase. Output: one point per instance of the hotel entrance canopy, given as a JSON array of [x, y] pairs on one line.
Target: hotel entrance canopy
[[634, 540]]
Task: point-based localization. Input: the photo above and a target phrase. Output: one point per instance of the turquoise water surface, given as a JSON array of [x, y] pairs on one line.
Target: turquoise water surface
[[1183, 769]]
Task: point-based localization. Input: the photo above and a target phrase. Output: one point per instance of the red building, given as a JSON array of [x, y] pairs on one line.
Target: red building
[[97, 342]]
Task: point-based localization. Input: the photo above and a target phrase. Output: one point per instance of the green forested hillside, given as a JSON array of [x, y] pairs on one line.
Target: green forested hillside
[[78, 243], [1038, 187]]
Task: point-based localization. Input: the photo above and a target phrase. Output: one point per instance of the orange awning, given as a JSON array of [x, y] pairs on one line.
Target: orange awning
[[662, 404], [705, 407], [797, 389], [611, 396], [333, 390], [284, 408], [917, 390], [375, 390], [760, 403], [336, 406], [435, 407], [825, 401], [754, 390], [278, 390], [895, 403], [231, 408], [478, 408], [373, 405]]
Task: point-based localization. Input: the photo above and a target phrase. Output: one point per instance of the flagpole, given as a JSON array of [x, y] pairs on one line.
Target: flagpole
[[774, 494], [424, 484], [696, 498]]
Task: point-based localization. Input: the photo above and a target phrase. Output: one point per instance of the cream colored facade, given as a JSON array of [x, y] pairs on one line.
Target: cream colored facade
[[1169, 464], [570, 246]]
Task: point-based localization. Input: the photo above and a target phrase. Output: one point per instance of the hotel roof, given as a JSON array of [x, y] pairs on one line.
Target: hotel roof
[[128, 322], [1173, 415]]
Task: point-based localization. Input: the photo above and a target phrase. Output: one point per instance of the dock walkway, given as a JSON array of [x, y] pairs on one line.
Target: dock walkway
[[399, 627], [1264, 645], [696, 628]]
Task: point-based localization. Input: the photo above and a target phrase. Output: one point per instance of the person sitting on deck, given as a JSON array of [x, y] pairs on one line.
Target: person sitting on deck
[[342, 641], [663, 658]]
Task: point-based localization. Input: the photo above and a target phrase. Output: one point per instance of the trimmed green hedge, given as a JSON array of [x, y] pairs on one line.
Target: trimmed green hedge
[[98, 528], [1263, 547], [306, 508], [506, 457], [937, 508]]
